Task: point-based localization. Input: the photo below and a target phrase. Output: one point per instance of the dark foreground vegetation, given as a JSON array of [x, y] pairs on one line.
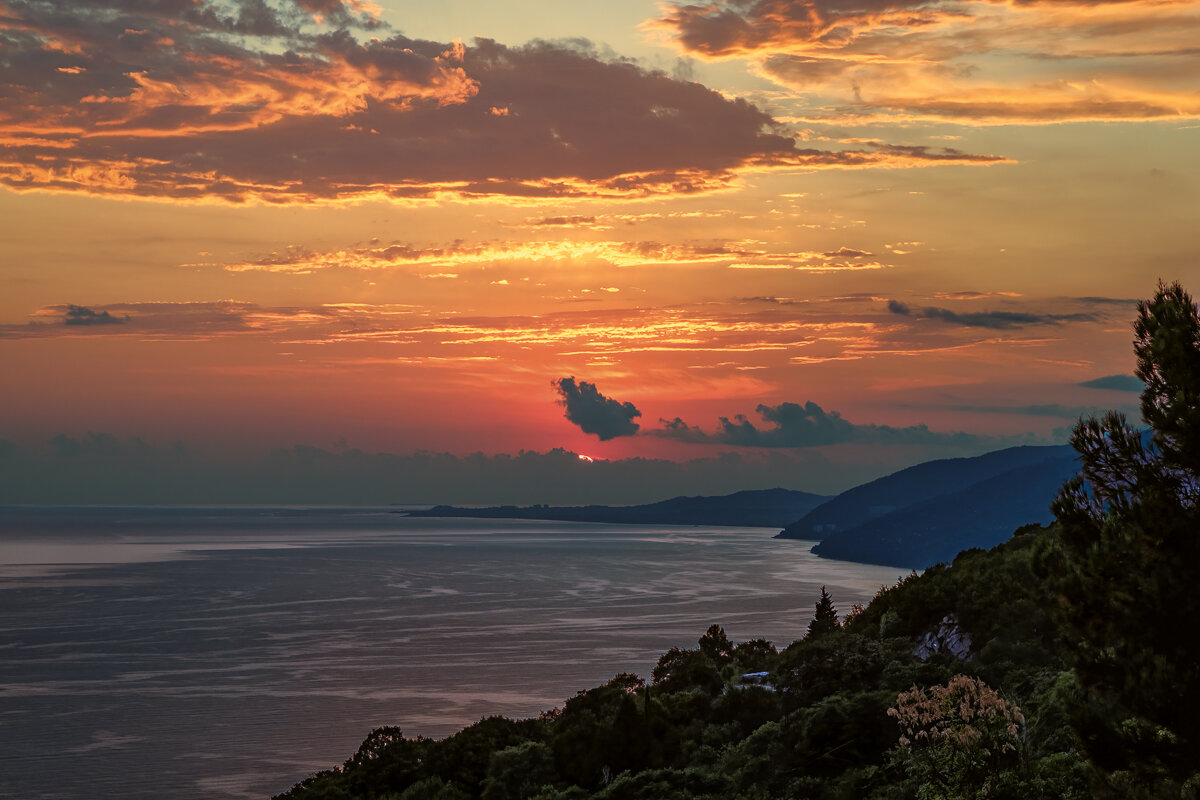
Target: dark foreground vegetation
[[1061, 664]]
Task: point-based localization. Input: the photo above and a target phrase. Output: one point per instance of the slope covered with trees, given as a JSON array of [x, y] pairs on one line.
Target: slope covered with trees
[[1060, 664], [931, 482], [935, 530]]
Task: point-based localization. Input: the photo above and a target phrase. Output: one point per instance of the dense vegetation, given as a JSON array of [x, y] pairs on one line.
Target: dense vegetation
[[1060, 664]]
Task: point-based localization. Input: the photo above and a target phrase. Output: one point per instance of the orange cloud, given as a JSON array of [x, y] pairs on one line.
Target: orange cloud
[[737, 255], [967, 61], [114, 98], [772, 338]]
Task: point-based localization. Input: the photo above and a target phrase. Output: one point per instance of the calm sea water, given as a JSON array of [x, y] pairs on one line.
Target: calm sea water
[[228, 653]]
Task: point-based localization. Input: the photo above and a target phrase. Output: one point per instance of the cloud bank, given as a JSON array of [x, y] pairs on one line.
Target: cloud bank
[[792, 425], [105, 469], [593, 412], [964, 61], [281, 102]]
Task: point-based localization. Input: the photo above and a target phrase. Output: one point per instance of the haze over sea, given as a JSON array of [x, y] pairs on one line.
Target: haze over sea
[[230, 652]]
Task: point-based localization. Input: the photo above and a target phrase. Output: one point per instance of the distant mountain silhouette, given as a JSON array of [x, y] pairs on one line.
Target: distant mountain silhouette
[[766, 508], [928, 513]]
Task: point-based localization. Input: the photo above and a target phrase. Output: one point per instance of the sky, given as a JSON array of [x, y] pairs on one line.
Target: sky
[[737, 244]]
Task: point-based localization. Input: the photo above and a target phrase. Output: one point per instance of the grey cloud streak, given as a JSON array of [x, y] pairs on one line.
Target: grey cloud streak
[[84, 316], [1118, 383], [174, 319], [1036, 410], [996, 320]]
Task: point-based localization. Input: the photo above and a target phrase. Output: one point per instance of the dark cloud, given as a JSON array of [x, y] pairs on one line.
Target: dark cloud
[[793, 301], [973, 295], [847, 252], [1118, 383], [793, 425], [183, 319], [1114, 301], [560, 221], [259, 102], [998, 320], [595, 413], [82, 315], [801, 72], [778, 301]]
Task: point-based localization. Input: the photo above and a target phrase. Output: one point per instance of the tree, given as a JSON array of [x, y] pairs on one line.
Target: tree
[[679, 670], [755, 655], [957, 739], [826, 619], [519, 771], [716, 645], [1125, 567]]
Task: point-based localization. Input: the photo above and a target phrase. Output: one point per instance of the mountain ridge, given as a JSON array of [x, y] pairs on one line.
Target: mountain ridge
[[766, 508], [914, 484], [929, 512]]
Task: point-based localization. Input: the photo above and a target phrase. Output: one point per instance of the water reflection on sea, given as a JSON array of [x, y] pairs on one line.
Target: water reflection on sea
[[228, 653]]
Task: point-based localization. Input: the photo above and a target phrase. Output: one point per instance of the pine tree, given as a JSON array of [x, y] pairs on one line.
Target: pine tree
[[1125, 567], [716, 645], [826, 618]]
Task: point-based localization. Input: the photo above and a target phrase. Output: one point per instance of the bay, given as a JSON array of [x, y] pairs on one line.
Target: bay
[[226, 653]]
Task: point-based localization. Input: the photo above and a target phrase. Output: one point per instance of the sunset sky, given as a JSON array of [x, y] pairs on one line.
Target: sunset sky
[[847, 236]]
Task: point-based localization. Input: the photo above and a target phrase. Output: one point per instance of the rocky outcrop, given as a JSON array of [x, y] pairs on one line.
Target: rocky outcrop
[[947, 637]]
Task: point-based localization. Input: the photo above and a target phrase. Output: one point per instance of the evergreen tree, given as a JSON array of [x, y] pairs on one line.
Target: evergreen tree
[[826, 618], [716, 645], [1126, 567]]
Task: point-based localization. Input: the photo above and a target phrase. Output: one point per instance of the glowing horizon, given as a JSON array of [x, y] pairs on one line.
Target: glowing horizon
[[395, 229]]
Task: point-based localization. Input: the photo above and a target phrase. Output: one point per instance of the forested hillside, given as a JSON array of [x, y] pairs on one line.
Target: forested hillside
[[929, 482], [1060, 664]]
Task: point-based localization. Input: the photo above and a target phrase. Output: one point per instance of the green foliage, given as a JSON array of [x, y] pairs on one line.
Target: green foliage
[[958, 738], [825, 619], [821, 730], [1085, 625], [814, 668], [432, 789], [519, 772], [715, 645], [756, 655], [680, 670], [1125, 567]]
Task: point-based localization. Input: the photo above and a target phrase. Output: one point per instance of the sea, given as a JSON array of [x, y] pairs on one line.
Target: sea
[[227, 653]]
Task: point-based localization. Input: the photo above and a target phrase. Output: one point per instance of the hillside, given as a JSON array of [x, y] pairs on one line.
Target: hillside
[[1059, 665], [757, 508], [935, 530], [915, 485], [710, 725]]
